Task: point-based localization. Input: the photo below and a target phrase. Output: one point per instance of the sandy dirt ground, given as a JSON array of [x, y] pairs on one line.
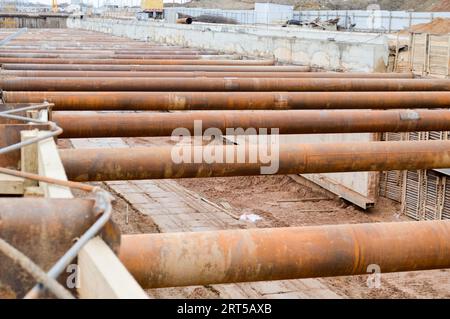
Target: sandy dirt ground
[[276, 199], [283, 202]]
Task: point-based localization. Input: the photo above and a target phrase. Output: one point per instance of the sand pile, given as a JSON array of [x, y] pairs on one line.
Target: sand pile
[[437, 26], [443, 5]]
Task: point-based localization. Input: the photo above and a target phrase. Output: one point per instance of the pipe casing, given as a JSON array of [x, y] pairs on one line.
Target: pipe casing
[[204, 258]]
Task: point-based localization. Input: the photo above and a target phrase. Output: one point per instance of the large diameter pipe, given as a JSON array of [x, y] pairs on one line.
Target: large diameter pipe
[[92, 124], [181, 161], [157, 68], [220, 84], [236, 101], [168, 56], [196, 74], [134, 61], [202, 258], [158, 51], [187, 20], [216, 257], [42, 229]]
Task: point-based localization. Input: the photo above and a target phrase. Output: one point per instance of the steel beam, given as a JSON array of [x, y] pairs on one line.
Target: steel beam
[[203, 258]]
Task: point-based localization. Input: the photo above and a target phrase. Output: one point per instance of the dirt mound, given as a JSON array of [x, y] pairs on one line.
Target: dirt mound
[[413, 5], [443, 5], [437, 26]]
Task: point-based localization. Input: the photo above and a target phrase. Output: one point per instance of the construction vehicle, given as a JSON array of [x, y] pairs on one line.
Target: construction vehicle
[[151, 9], [54, 6]]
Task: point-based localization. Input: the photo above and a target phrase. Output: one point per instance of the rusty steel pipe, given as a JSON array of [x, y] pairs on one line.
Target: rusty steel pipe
[[162, 162], [195, 74], [92, 124], [135, 61], [43, 229], [169, 50], [220, 84], [157, 68], [168, 56], [218, 257], [236, 101], [187, 20]]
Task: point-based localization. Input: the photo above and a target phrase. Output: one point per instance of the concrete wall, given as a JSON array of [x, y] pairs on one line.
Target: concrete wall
[[329, 50], [364, 20], [373, 20], [32, 21]]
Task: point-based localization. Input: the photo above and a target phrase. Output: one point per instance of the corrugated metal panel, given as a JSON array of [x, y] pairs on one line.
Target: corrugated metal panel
[[438, 56], [419, 53], [446, 205], [432, 195], [391, 182], [413, 197]]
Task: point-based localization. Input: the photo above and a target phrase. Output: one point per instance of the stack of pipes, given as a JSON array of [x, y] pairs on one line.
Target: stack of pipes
[[92, 72]]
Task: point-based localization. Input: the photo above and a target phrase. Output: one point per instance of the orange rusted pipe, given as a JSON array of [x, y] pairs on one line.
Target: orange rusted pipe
[[181, 161], [195, 74], [158, 51], [217, 257], [134, 61], [187, 20], [85, 56], [219, 84], [92, 124], [235, 101], [158, 68]]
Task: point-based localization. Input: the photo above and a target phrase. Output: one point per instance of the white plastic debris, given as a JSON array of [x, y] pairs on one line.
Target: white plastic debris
[[250, 218]]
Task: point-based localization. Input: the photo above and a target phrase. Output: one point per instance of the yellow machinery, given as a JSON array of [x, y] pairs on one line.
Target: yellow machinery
[[151, 9], [54, 6]]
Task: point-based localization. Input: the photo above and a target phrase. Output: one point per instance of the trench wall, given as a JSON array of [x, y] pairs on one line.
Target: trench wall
[[346, 51]]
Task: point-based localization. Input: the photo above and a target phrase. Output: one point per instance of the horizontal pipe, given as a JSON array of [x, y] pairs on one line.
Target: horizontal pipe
[[159, 68], [203, 258], [159, 51], [92, 124], [165, 162], [218, 257], [187, 20], [168, 56], [135, 61], [196, 74], [235, 101], [220, 84]]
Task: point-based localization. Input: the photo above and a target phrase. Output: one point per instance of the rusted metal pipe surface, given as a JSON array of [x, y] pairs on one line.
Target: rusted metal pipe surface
[[92, 124], [99, 56], [220, 84], [187, 20], [42, 229], [235, 101], [134, 61], [159, 51], [195, 74], [161, 162], [202, 258], [158, 68]]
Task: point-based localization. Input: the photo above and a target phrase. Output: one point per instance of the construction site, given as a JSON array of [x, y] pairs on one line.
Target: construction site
[[150, 158]]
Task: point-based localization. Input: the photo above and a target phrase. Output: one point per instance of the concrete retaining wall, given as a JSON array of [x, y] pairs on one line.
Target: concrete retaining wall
[[32, 21], [329, 50]]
